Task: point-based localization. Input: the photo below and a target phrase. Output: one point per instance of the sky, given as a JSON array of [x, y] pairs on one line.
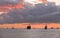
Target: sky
[[18, 11], [57, 1]]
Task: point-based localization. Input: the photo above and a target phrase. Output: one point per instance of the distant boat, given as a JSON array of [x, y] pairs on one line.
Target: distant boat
[[29, 27], [12, 28], [52, 28], [57, 28], [45, 27]]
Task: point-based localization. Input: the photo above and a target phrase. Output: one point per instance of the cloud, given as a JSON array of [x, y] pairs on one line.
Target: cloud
[[7, 5], [7, 2], [40, 13]]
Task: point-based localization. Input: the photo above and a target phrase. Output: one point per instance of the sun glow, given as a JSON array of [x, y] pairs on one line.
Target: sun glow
[[33, 2], [56, 1], [3, 13]]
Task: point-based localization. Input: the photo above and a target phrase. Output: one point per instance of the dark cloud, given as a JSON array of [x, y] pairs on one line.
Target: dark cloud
[[40, 13], [7, 2]]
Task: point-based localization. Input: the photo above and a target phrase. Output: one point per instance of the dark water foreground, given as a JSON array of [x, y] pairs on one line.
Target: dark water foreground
[[33, 33]]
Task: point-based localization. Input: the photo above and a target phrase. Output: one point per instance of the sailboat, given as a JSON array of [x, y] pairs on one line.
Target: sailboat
[[29, 27]]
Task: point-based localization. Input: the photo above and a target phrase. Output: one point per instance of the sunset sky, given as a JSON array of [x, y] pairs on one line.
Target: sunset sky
[[56, 1], [29, 11]]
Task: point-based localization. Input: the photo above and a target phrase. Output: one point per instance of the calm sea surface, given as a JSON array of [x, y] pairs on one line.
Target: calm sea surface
[[33, 33]]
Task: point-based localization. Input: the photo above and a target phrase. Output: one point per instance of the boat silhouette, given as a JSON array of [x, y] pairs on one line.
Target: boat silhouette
[[29, 27]]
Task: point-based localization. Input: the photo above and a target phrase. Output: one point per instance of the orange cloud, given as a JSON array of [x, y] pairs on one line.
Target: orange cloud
[[19, 6], [5, 9], [43, 1], [13, 6]]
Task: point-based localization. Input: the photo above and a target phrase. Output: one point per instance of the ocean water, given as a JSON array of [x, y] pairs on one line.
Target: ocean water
[[32, 33]]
